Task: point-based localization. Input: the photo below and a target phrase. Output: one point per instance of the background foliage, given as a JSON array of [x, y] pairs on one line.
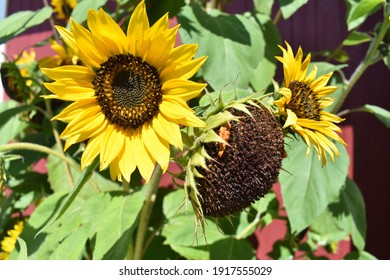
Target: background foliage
[[321, 206]]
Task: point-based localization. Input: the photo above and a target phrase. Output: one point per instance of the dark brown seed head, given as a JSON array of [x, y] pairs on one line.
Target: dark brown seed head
[[248, 166]]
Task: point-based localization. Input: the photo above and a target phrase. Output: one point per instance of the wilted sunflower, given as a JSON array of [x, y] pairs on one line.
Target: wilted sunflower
[[130, 96], [243, 170], [302, 103], [63, 8], [8, 243]]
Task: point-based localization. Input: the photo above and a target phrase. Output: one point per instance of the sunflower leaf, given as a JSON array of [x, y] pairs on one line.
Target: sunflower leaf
[[233, 43], [232, 249], [356, 38], [10, 123], [307, 187], [358, 11], [19, 22], [23, 249]]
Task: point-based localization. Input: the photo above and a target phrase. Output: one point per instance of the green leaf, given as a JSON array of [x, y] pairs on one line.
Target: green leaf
[[232, 249], [84, 178], [356, 38], [289, 7], [358, 11], [263, 6], [350, 213], [10, 123], [192, 253], [19, 22], [233, 44], [307, 187], [382, 114], [266, 68], [111, 215], [80, 12], [180, 228], [59, 181]]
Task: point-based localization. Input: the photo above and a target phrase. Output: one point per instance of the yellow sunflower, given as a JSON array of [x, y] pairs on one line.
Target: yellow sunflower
[[302, 103], [63, 8], [130, 97], [8, 243]]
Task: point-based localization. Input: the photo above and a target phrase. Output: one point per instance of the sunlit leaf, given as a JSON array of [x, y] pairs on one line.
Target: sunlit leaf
[[356, 38], [19, 22], [358, 11], [233, 43], [232, 249]]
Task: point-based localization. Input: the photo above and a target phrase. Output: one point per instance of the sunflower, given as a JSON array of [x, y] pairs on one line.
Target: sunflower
[[129, 97], [8, 243], [302, 103], [63, 8]]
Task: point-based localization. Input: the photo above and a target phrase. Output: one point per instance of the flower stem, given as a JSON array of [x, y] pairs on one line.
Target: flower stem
[[369, 59], [58, 141], [152, 187], [37, 148]]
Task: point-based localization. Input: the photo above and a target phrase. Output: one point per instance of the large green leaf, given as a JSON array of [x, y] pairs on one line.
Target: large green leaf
[[158, 8], [19, 22], [289, 7], [266, 68], [350, 214], [232, 249], [111, 215], [358, 11], [180, 231], [307, 187], [233, 43]]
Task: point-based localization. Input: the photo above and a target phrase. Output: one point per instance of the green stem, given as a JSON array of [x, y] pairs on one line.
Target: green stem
[[152, 187], [369, 59], [37, 148]]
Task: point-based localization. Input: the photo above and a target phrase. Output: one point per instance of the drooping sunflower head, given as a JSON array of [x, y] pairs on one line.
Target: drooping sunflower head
[[237, 162], [129, 98], [303, 98], [63, 8]]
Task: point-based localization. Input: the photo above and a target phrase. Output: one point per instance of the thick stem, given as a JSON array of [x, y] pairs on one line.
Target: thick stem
[[152, 187]]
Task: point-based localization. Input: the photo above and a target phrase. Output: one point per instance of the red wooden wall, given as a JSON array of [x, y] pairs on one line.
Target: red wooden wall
[[317, 26]]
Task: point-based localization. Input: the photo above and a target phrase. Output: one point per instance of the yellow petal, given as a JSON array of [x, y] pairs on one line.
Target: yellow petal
[[184, 71], [182, 89], [70, 72], [291, 118], [145, 161], [158, 148], [108, 31], [91, 150], [168, 131], [127, 162], [138, 25], [180, 113]]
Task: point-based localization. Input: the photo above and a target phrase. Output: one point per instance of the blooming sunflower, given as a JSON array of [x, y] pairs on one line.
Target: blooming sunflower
[[302, 103], [130, 97], [63, 8], [8, 243]]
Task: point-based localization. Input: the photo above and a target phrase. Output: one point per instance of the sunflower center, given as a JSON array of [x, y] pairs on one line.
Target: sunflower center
[[128, 90], [304, 102]]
